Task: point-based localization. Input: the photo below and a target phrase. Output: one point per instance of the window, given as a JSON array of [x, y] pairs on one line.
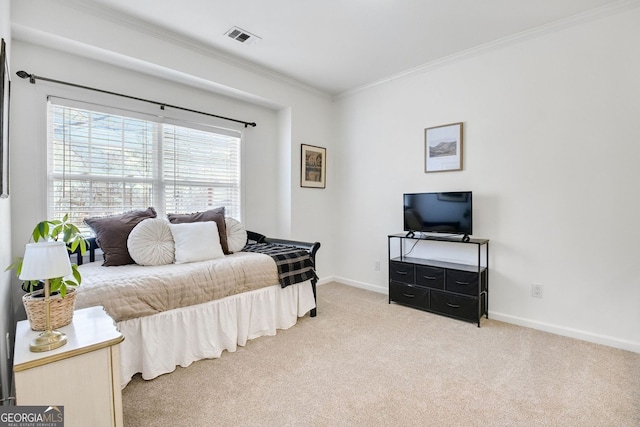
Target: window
[[106, 162]]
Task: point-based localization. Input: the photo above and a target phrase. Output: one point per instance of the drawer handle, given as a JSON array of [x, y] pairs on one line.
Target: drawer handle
[[409, 295], [462, 283], [402, 273], [453, 305], [429, 277]]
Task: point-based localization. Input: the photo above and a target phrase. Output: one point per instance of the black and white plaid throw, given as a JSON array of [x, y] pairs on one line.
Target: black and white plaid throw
[[294, 264]]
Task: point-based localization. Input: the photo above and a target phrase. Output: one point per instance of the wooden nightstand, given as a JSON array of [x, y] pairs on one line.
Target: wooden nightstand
[[83, 375]]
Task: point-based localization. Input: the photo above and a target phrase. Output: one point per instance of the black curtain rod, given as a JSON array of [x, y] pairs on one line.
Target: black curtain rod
[[33, 77]]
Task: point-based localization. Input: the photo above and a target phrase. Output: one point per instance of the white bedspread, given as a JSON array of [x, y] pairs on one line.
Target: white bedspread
[[133, 291], [155, 345]]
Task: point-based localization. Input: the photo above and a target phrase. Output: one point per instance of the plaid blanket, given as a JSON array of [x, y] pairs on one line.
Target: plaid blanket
[[294, 265]]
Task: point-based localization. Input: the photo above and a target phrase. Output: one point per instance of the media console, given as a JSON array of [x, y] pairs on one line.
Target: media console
[[453, 289]]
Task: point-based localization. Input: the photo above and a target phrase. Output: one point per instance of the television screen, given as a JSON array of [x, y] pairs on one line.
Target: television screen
[[449, 212]]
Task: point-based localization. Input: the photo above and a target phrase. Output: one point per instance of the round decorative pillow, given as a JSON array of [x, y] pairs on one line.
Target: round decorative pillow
[[236, 234], [151, 242]]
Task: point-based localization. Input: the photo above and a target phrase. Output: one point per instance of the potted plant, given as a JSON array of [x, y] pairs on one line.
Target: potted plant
[[62, 288]]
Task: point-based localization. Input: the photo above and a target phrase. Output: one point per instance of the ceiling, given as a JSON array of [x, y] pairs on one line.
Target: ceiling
[[339, 45]]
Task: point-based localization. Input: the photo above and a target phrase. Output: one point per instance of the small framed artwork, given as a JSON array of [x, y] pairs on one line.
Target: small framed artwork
[[5, 86], [443, 148], [313, 166]]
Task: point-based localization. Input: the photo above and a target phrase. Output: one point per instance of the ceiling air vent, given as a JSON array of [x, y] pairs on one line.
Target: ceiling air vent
[[242, 36]]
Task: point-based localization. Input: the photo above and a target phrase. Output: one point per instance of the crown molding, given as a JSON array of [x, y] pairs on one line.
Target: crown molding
[[561, 24]]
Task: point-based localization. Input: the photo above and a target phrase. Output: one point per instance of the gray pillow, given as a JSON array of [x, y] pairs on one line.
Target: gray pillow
[[113, 231]]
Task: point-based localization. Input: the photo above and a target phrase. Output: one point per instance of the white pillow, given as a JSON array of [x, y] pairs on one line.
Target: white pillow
[[151, 243], [236, 234], [196, 241]]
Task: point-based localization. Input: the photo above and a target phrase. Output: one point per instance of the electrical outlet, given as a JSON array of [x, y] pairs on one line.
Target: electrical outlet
[[376, 265], [536, 290]]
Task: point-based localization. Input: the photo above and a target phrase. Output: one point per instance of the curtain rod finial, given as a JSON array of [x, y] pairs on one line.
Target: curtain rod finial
[[23, 75]]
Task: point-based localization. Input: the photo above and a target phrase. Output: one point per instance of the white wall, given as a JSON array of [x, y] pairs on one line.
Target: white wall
[[550, 152]]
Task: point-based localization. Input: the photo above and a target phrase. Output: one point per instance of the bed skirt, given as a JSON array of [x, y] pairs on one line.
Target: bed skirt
[[156, 345]]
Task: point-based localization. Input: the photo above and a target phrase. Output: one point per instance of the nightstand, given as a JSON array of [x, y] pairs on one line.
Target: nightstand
[[83, 375]]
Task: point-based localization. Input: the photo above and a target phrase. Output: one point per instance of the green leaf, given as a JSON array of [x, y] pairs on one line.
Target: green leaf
[[41, 232], [55, 232], [67, 235], [54, 284], [83, 245], [17, 264], [76, 273], [32, 284]]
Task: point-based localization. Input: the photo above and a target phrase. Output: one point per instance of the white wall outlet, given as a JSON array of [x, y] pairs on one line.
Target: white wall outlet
[[536, 290], [376, 265]]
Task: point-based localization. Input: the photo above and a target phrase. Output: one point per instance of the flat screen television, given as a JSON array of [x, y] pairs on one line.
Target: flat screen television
[[446, 212]]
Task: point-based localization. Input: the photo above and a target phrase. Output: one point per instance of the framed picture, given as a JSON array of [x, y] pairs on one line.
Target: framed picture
[[313, 166], [5, 90], [443, 148]]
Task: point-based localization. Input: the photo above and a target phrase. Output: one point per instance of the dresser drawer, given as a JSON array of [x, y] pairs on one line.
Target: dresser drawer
[[455, 305], [401, 272], [463, 282], [409, 294], [431, 277]]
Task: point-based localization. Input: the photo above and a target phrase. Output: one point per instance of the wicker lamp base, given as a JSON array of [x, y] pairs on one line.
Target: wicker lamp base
[[61, 309]]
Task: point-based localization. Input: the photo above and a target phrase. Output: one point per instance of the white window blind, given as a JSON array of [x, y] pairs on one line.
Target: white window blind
[[204, 176], [109, 161]]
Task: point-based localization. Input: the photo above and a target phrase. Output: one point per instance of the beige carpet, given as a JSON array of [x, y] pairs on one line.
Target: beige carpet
[[365, 362]]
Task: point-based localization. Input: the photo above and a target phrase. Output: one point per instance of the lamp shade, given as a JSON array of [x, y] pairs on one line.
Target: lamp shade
[[45, 260]]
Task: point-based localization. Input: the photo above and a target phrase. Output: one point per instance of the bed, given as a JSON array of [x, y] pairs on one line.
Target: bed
[[173, 315]]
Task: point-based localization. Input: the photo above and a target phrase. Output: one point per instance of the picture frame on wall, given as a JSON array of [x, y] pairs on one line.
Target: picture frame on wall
[[313, 167], [443, 148], [5, 91]]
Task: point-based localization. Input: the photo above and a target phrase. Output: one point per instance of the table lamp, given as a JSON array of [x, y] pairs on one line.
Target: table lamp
[[46, 260]]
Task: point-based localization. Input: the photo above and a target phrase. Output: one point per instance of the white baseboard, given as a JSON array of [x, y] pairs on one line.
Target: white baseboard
[[325, 280], [355, 284], [567, 332], [520, 321]]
